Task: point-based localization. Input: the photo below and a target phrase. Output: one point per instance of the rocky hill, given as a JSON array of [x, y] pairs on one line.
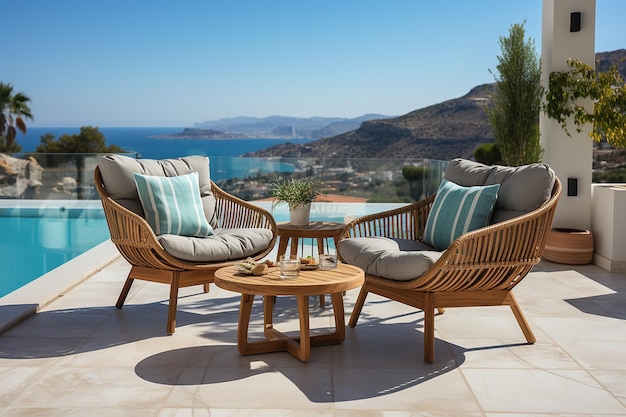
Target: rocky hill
[[453, 128], [604, 60]]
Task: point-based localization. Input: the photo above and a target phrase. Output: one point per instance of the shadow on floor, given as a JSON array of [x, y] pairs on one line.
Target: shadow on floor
[[610, 304], [335, 369], [63, 332]]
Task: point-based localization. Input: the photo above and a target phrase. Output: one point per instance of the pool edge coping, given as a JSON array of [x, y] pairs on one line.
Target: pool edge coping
[[32, 297]]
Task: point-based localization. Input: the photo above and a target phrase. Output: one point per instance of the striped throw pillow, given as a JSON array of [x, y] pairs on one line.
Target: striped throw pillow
[[458, 210], [172, 205]]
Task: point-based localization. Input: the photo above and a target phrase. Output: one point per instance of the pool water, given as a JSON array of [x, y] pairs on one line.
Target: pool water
[[39, 236], [35, 240]]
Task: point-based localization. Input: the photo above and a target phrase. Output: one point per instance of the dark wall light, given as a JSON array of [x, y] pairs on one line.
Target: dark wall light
[[574, 22], [572, 187]]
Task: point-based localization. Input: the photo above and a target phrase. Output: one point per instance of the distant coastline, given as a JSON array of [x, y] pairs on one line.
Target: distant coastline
[[195, 133], [235, 137], [171, 137], [157, 142]]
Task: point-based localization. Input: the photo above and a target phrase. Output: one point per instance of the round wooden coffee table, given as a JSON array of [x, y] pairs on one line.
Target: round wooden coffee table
[[333, 282]]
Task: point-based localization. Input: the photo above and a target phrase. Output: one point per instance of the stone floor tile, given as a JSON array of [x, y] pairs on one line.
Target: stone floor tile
[[545, 391], [435, 390]]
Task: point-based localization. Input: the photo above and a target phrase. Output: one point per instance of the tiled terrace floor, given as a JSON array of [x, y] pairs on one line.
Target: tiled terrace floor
[[80, 356]]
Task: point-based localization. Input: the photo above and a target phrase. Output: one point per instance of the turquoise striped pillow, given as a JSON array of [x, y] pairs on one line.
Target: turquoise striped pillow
[[172, 205], [458, 210]]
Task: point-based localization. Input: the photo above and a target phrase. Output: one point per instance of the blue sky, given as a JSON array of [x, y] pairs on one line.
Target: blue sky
[[119, 63]]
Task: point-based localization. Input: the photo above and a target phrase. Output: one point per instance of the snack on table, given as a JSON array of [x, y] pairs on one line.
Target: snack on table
[[250, 267], [309, 260], [309, 263]]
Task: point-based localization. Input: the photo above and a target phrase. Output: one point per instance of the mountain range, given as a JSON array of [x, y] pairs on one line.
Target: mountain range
[[453, 128], [277, 127]]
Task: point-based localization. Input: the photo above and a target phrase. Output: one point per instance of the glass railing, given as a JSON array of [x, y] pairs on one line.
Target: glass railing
[[373, 180]]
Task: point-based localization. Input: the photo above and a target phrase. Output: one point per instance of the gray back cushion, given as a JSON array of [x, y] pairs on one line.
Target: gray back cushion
[[522, 189], [117, 176]]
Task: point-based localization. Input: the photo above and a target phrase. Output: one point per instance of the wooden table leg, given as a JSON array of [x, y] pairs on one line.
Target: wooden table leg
[[268, 312], [320, 245], [245, 309], [340, 318], [244, 347], [294, 245], [300, 347], [304, 347], [282, 247], [322, 300]]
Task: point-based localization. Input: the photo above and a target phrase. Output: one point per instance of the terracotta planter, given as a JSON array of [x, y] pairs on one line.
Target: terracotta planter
[[301, 215], [569, 246]]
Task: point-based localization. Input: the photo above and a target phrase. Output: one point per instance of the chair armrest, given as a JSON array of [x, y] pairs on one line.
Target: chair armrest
[[406, 222], [125, 227], [233, 212], [133, 236]]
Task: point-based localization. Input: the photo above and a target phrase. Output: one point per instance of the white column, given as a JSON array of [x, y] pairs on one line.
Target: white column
[[569, 157]]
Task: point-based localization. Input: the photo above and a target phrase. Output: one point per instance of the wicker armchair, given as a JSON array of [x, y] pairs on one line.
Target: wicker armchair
[[479, 268], [138, 244]]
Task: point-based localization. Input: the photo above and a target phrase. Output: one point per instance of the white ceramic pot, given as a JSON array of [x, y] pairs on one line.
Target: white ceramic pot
[[301, 215]]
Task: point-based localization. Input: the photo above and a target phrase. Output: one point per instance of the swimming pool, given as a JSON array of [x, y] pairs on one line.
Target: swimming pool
[[38, 236]]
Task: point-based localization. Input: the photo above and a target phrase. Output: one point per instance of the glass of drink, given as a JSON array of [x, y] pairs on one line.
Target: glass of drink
[[328, 261], [289, 266]]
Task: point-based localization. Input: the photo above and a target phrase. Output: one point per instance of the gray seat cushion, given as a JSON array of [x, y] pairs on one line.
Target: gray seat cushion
[[397, 259], [224, 245], [522, 189], [117, 176]]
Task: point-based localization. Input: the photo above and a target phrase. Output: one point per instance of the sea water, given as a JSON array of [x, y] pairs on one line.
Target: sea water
[[146, 143]]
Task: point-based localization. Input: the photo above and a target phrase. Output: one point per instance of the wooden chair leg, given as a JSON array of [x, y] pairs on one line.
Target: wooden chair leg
[[429, 329], [124, 293], [206, 287], [521, 319], [358, 306], [173, 304]]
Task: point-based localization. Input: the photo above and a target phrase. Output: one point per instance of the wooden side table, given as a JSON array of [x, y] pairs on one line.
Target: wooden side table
[[314, 230], [333, 282]]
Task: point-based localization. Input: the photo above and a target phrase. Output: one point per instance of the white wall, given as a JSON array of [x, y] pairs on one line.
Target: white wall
[[609, 231], [569, 157]]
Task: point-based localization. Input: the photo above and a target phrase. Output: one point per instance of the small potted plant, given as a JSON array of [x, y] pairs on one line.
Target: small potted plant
[[298, 194]]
